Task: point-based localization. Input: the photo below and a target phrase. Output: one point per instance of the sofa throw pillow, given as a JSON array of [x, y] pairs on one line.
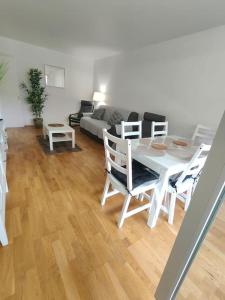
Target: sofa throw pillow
[[98, 114], [115, 118]]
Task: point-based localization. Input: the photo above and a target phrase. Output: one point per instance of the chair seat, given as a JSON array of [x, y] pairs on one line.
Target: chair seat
[[75, 119], [76, 116], [140, 175], [173, 179]]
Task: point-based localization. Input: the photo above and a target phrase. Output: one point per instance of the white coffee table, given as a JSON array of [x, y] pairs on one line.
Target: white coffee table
[[69, 134]]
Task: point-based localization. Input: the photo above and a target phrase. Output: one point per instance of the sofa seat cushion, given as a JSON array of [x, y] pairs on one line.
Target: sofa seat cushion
[[94, 126], [140, 174]]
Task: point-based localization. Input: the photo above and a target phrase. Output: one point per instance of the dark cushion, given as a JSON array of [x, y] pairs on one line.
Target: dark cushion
[[133, 117], [86, 102], [112, 131], [86, 109], [154, 117], [147, 123], [98, 114], [140, 174], [86, 106], [116, 118], [173, 179], [75, 117]]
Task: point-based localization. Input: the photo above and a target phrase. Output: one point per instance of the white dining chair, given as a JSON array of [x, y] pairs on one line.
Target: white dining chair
[[130, 179], [162, 129], [203, 134], [131, 129], [182, 186], [3, 191]]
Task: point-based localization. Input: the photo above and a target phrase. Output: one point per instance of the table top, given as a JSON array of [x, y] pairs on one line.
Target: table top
[[174, 159], [65, 128]]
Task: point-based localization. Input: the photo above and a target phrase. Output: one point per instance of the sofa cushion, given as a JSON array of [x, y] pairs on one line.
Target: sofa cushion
[[86, 106], [140, 174], [133, 117], [147, 123], [94, 126], [115, 118], [154, 117], [98, 114], [109, 111]]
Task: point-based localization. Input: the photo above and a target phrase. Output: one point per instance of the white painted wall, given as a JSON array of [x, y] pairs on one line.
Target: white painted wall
[[61, 102], [11, 108], [183, 79]]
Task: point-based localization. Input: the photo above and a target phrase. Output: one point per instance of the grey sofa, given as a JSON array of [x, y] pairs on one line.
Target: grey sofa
[[93, 127]]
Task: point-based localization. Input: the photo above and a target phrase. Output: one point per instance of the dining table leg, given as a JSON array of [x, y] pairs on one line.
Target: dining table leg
[[157, 199]]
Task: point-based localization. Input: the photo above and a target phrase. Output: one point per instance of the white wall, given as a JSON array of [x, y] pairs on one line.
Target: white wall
[[183, 79], [11, 108], [61, 102]]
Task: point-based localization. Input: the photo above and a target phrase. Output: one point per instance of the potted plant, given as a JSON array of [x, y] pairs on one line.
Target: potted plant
[[35, 95]]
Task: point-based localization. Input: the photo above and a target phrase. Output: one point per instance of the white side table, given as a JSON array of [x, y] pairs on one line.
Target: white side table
[[69, 134]]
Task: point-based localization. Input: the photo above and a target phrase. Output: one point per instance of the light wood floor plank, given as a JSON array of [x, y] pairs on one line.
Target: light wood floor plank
[[62, 244]]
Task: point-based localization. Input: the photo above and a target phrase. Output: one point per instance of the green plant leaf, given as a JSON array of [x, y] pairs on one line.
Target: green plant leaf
[[35, 92]]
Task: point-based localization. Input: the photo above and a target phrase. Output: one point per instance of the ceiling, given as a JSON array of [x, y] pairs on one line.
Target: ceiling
[[98, 28]]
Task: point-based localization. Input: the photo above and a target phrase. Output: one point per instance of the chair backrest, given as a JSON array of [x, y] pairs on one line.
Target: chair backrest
[[121, 152], [162, 128], [3, 182], [148, 118], [86, 106], [196, 164], [203, 134], [131, 129]]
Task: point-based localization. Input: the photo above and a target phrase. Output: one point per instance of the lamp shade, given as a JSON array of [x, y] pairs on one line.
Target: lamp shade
[[98, 96]]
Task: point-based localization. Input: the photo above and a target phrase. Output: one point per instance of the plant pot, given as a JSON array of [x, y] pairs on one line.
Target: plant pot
[[38, 122]]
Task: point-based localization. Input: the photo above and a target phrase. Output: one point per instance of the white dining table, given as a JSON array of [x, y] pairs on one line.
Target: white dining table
[[166, 163]]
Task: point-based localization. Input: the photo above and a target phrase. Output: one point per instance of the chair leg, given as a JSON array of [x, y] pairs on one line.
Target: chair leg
[[141, 197], [172, 207], [3, 235], [124, 211], [188, 199], [105, 192]]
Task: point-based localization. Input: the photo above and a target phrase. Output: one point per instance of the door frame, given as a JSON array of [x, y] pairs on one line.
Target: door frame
[[206, 201]]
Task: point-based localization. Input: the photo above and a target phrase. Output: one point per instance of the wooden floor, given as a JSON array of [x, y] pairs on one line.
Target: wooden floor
[[62, 244], [206, 277]]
